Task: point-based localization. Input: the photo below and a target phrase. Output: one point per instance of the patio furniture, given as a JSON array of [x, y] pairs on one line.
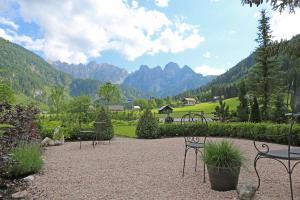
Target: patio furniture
[[289, 157], [193, 140], [94, 133]]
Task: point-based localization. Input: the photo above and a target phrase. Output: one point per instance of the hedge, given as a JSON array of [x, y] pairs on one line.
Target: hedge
[[237, 130]]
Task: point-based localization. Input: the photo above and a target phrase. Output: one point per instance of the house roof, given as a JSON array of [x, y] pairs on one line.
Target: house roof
[[163, 107]]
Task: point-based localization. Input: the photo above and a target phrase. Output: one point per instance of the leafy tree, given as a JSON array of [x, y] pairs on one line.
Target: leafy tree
[[255, 112], [6, 93], [222, 111], [104, 131], [147, 126], [280, 110], [80, 105], [109, 92], [57, 96], [262, 79], [276, 4], [143, 103], [243, 109]]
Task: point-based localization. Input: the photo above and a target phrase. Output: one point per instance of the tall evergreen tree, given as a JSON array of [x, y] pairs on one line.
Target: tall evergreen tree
[[255, 112], [243, 109], [262, 78], [280, 109]]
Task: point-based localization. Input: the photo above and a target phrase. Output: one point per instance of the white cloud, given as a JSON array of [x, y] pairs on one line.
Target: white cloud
[[208, 70], [76, 30], [8, 23], [161, 3], [207, 54], [284, 25], [214, 0], [26, 41]]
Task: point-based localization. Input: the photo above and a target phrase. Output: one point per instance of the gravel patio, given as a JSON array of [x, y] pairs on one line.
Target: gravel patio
[[146, 169]]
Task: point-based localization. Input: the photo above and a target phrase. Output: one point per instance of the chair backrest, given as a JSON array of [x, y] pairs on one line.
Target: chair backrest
[[195, 118], [293, 118]]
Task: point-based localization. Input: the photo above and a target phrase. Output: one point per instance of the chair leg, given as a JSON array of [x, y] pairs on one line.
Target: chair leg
[[291, 185], [185, 152], [255, 161], [196, 153], [204, 167]]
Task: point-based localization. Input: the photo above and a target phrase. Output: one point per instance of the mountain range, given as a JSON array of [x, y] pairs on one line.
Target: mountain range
[[166, 82], [103, 72], [153, 81]]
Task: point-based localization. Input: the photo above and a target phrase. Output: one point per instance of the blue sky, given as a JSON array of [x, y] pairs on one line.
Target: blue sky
[[210, 36]]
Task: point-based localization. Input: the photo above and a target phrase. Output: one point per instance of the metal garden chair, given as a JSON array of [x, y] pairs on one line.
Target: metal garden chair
[[288, 157], [193, 140]]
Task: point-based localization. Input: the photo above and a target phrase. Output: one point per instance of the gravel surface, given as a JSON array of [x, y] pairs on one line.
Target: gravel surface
[[146, 169]]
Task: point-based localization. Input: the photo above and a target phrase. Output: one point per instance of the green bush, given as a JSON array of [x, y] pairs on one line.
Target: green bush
[[104, 131], [245, 130], [147, 126], [222, 154], [26, 159]]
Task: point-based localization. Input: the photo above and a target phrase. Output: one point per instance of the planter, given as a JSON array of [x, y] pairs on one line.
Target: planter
[[223, 179]]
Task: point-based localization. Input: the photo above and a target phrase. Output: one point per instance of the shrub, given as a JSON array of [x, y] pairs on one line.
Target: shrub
[[245, 130], [26, 160], [147, 126], [104, 131], [222, 154]]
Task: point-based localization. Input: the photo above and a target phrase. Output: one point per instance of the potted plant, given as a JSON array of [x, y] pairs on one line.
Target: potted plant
[[223, 162]]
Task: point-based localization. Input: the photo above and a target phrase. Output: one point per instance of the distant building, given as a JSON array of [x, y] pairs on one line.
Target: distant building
[[116, 108], [165, 110], [189, 101]]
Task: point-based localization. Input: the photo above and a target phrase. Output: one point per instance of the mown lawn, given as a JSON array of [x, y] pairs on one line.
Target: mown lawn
[[206, 107], [124, 128]]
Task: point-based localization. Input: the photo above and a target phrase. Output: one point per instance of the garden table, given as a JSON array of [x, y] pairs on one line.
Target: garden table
[[94, 137], [94, 134], [289, 157]]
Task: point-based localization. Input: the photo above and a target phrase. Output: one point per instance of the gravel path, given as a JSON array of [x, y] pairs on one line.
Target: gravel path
[[146, 169]]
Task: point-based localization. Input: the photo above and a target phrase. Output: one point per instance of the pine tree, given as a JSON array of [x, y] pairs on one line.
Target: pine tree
[[280, 109], [255, 112], [147, 126], [262, 78], [243, 109], [103, 126]]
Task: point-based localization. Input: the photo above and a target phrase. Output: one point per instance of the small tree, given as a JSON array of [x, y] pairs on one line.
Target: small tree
[[57, 96], [222, 111], [110, 93], [103, 126], [147, 126], [280, 110], [255, 112]]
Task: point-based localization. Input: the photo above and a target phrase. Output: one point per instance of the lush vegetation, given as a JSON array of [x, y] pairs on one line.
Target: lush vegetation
[[19, 132], [25, 159]]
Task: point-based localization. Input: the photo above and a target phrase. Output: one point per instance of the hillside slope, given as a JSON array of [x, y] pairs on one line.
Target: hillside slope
[[31, 75]]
